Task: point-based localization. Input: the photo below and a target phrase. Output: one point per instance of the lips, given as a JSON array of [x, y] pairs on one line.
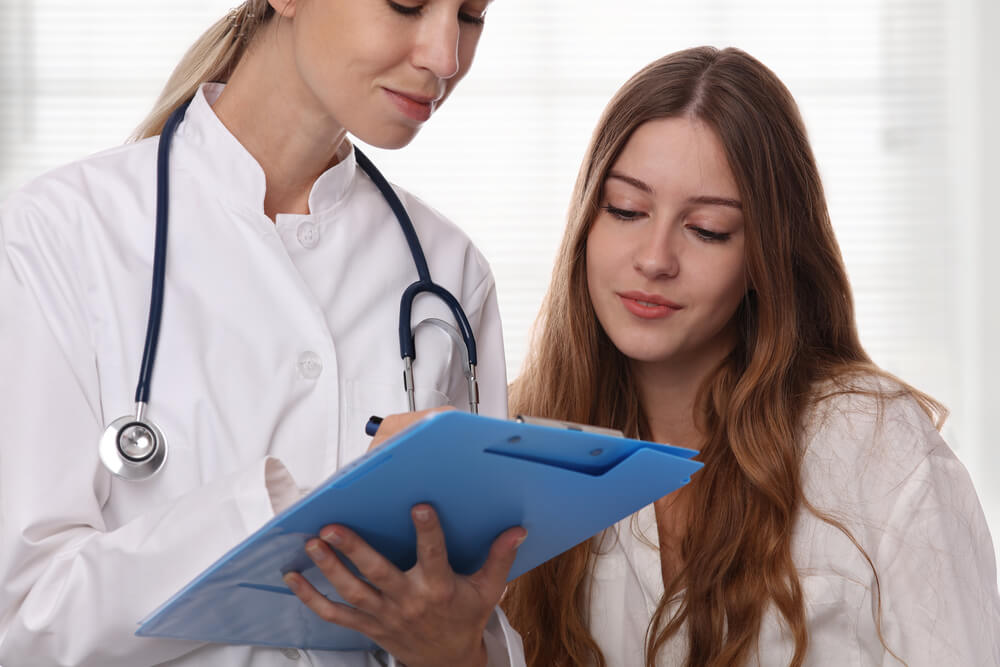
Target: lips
[[648, 306], [413, 105]]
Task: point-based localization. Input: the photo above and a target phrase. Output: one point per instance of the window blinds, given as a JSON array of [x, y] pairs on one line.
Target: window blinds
[[875, 79]]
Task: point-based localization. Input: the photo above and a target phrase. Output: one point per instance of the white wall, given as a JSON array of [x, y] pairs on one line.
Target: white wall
[[986, 358]]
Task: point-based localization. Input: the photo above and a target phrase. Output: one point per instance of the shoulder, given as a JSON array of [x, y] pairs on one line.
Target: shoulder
[[79, 191], [61, 228], [875, 463], [864, 436], [452, 255]]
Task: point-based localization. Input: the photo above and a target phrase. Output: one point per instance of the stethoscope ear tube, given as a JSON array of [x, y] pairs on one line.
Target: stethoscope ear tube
[[406, 343], [389, 195], [469, 368], [407, 346]]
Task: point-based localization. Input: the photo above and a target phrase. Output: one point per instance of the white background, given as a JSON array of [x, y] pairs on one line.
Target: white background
[[897, 95]]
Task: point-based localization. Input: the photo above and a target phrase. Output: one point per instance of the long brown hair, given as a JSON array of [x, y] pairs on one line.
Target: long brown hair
[[797, 328]]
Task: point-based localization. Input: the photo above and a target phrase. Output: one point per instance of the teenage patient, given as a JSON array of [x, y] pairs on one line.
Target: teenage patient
[[700, 299]]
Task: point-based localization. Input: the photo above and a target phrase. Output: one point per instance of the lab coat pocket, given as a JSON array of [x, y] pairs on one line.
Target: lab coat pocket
[[365, 399]]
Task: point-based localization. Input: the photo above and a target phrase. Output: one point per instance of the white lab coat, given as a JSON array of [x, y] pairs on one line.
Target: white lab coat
[[279, 340], [899, 489]]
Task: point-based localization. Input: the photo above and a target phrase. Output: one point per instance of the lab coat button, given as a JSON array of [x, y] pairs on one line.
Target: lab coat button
[[291, 653], [310, 365], [308, 235]]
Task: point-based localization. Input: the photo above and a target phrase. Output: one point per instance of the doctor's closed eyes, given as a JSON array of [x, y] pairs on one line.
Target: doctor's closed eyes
[[471, 16]]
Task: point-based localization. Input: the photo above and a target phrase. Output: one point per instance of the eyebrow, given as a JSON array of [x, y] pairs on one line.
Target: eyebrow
[[703, 199]]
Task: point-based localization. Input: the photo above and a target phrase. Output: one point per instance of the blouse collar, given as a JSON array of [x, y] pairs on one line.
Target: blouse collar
[[219, 158]]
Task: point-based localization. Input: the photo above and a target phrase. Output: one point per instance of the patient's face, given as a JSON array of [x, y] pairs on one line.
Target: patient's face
[[665, 258]]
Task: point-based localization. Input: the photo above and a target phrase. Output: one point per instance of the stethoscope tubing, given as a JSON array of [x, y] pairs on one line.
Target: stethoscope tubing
[[145, 440], [158, 287], [407, 345]]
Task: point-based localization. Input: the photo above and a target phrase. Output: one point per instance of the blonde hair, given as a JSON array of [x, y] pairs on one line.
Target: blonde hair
[[212, 58]]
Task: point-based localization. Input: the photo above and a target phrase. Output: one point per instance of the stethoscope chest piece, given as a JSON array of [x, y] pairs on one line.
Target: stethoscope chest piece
[[133, 448]]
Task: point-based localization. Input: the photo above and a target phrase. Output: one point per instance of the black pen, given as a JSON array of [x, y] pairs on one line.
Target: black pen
[[372, 426]]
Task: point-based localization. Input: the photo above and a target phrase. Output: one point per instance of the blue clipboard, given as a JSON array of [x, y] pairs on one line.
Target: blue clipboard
[[481, 475]]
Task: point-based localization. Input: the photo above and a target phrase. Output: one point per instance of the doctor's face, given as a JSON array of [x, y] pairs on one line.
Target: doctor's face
[[665, 259], [381, 68]]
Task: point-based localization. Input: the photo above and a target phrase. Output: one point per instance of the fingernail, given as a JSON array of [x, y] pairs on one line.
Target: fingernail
[[317, 552], [520, 540], [292, 582], [422, 514], [332, 536]]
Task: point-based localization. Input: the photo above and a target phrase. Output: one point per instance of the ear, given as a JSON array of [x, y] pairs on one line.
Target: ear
[[283, 8]]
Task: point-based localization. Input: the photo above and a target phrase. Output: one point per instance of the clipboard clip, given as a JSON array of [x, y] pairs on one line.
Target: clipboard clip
[[571, 426]]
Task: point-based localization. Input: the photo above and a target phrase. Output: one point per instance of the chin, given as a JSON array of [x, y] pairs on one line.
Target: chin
[[388, 138], [644, 353]]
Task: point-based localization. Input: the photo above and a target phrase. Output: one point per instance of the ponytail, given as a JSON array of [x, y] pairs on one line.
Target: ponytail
[[212, 58]]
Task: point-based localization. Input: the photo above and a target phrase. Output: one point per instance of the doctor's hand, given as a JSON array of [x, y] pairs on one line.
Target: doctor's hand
[[393, 424], [428, 615]]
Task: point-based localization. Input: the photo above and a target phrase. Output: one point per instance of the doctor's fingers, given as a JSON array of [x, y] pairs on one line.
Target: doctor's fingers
[[491, 579], [393, 424], [357, 592], [330, 611], [438, 579], [432, 552]]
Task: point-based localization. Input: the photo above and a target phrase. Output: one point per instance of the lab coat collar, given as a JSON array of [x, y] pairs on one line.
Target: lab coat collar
[[220, 158]]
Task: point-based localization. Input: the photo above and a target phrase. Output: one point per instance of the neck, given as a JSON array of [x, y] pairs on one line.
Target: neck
[[281, 125], [668, 391], [668, 402]]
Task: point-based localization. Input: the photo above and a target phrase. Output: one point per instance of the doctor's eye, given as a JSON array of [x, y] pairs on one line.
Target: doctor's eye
[[415, 11], [473, 13], [622, 213], [405, 10], [472, 19]]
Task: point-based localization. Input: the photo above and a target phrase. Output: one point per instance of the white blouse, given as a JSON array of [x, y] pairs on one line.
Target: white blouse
[[900, 490], [279, 340]]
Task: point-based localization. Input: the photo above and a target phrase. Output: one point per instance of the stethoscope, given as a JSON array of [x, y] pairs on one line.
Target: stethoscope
[[134, 448]]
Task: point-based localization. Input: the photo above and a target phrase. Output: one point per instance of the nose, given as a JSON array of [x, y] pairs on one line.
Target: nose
[[656, 253], [436, 47]]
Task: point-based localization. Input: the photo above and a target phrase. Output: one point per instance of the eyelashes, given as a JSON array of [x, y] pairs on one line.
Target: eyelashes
[[416, 10], [405, 10], [622, 213], [627, 215], [710, 236], [471, 19]]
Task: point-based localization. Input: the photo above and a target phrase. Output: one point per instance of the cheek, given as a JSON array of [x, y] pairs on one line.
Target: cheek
[[596, 270], [319, 59], [590, 270], [732, 285], [467, 51]]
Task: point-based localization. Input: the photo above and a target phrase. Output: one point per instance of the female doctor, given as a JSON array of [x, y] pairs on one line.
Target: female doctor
[[278, 338]]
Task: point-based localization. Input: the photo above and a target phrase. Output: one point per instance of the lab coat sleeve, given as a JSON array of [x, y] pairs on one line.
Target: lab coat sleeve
[[72, 589], [937, 569], [503, 643]]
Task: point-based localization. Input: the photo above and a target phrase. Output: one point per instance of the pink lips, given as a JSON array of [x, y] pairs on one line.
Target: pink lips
[[648, 306], [413, 106]]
